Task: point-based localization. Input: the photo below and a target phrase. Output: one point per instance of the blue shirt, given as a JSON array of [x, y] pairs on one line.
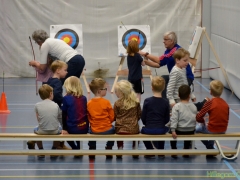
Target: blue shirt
[[74, 111], [155, 112], [167, 59], [56, 84]]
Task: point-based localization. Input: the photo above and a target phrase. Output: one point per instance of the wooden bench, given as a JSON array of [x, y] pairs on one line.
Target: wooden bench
[[114, 137]]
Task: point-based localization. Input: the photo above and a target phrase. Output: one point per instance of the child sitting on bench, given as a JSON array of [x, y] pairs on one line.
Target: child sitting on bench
[[48, 115]]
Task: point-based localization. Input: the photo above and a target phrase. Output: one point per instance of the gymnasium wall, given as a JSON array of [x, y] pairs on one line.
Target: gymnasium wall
[[225, 37], [100, 18]]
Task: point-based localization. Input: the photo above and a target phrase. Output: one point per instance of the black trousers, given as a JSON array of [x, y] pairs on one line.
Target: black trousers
[[187, 144]]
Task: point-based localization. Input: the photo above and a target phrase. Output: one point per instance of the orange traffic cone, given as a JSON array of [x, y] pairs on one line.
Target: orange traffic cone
[[3, 105]]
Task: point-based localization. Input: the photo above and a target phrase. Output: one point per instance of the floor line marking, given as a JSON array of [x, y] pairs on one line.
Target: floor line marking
[[232, 169], [117, 169]]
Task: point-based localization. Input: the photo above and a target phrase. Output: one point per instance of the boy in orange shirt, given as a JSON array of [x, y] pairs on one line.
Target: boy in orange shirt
[[218, 111], [100, 113]]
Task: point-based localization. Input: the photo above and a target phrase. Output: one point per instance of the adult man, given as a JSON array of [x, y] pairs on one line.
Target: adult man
[[170, 43]]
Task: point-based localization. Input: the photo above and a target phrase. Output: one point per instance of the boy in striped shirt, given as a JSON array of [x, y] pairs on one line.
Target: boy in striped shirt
[[178, 76]]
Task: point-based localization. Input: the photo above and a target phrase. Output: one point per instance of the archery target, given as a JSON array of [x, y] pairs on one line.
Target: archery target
[[69, 33], [69, 36], [140, 33]]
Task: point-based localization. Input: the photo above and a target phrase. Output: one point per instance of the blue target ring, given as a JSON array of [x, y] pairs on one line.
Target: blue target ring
[[69, 36], [136, 34]]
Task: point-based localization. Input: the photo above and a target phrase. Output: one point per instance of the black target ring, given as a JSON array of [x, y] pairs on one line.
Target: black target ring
[[69, 36], [136, 34]]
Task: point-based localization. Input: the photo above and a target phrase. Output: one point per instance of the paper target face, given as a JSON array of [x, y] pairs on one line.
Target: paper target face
[[140, 33], [69, 36], [134, 34], [70, 33]]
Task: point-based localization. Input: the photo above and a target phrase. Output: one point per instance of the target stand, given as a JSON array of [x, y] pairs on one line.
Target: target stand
[[85, 81], [124, 72]]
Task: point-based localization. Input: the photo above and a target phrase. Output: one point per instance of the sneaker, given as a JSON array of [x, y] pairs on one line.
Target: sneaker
[[78, 156], [31, 144], [119, 156], [135, 156], [161, 156], [92, 148], [174, 156], [211, 156], [149, 156], [108, 156], [41, 156]]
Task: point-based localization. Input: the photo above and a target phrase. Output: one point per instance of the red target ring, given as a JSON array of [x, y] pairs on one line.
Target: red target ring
[[69, 36]]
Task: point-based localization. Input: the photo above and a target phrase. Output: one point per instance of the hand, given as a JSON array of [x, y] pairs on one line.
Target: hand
[[172, 105], [64, 132], [32, 63], [174, 135], [194, 100], [207, 98]]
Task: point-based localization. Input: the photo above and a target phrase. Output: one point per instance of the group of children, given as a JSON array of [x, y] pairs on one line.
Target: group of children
[[175, 115]]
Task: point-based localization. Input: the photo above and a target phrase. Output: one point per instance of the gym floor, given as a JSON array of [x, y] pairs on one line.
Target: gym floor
[[21, 98]]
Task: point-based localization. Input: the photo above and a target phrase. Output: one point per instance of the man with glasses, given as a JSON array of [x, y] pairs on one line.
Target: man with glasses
[[170, 43]]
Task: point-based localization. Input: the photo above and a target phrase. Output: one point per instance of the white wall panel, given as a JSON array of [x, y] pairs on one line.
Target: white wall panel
[[225, 35]]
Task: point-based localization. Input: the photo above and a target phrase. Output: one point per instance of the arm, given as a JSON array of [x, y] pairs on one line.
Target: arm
[[115, 108], [110, 111], [139, 111], [174, 121], [151, 64], [173, 78], [64, 114], [203, 112], [150, 56], [167, 117], [57, 92], [37, 117], [144, 112]]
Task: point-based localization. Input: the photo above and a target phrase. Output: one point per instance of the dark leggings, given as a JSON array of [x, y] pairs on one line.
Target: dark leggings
[[187, 144]]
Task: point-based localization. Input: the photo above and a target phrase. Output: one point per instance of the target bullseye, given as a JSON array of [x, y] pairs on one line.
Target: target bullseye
[[134, 34], [69, 36]]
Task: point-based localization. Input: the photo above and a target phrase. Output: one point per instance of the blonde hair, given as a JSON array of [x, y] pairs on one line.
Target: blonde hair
[[57, 64], [73, 86], [129, 97], [132, 47], [180, 53], [96, 84], [171, 35], [158, 84], [44, 91], [216, 88]]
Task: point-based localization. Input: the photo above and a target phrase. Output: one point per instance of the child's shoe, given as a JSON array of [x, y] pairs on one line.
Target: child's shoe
[[54, 156], [174, 156], [108, 156], [31, 144], [149, 156], [92, 148], [119, 156], [41, 156]]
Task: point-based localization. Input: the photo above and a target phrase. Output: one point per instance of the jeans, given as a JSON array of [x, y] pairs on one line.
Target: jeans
[[202, 128], [37, 130], [187, 144]]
